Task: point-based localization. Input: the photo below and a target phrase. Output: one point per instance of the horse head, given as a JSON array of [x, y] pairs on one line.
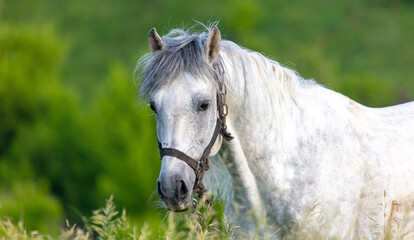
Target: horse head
[[188, 106]]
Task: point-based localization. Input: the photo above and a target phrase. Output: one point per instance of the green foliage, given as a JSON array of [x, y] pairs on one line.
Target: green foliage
[[10, 231], [33, 204], [105, 223], [53, 145], [21, 81], [128, 158], [27, 61]]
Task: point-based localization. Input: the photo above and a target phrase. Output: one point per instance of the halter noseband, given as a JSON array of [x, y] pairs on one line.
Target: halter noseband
[[201, 166]]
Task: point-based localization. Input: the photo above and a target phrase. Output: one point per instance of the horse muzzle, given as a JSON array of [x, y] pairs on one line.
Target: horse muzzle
[[176, 193]]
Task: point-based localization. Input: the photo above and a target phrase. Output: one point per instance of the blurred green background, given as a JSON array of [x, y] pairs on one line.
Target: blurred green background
[[71, 131]]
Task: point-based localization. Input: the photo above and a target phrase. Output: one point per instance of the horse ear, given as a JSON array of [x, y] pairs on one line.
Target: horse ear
[[154, 41], [213, 44]]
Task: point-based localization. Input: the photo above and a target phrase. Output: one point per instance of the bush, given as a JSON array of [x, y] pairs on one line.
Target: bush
[[60, 149]]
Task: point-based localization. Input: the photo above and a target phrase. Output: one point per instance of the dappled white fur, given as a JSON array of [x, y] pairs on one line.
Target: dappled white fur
[[297, 144], [304, 144]]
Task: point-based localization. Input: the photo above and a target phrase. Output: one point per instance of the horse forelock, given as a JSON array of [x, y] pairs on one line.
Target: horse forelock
[[183, 52]]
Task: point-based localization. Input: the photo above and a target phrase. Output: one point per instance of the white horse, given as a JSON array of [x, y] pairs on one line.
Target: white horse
[[296, 143]]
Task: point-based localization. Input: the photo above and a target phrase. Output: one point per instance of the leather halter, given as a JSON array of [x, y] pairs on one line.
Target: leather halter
[[201, 165]]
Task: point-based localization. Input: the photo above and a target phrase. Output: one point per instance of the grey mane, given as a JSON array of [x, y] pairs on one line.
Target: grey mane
[[183, 52]]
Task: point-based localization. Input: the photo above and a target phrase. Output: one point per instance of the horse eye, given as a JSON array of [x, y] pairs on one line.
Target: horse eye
[[203, 106], [152, 107]]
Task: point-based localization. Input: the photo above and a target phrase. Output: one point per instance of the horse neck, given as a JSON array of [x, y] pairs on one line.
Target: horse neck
[[260, 100], [262, 95], [274, 116], [272, 109]]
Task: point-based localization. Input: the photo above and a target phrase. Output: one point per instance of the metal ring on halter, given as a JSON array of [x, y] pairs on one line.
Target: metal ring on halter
[[225, 110]]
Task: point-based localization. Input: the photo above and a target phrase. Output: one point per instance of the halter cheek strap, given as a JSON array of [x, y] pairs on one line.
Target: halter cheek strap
[[184, 157]]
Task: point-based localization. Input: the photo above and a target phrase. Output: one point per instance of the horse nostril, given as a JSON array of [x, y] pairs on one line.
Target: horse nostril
[[160, 192], [182, 189]]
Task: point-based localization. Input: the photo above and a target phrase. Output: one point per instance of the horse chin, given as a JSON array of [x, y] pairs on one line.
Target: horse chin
[[180, 207], [177, 210]]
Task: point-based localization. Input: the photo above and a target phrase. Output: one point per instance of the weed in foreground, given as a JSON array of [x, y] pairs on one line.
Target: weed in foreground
[[202, 223]]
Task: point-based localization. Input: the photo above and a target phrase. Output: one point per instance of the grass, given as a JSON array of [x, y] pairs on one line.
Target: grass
[[203, 223], [108, 223]]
